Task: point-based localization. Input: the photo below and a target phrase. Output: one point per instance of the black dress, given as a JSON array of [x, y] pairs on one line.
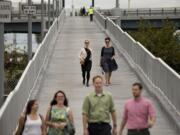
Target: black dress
[[106, 59]]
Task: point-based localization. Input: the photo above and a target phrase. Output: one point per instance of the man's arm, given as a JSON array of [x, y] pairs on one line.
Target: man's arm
[[114, 119], [85, 124], [124, 119], [152, 115], [122, 125], [85, 112]]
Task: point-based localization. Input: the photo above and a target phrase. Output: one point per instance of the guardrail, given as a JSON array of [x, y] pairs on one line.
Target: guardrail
[[17, 99], [151, 12], [163, 78], [144, 12]]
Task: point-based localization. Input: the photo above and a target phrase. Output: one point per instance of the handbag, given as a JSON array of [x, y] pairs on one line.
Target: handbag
[[114, 65], [82, 61], [70, 128]]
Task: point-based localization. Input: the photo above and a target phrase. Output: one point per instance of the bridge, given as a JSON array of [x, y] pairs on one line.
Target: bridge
[[55, 66], [128, 19]]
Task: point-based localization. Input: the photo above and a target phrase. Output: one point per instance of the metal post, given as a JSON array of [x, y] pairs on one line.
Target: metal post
[[1, 63], [29, 33], [117, 3], [42, 19], [93, 3], [63, 3], [53, 10], [56, 8], [49, 13]]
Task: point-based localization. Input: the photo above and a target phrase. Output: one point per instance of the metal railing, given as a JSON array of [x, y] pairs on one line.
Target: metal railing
[[150, 12], [156, 71], [144, 12], [17, 99]]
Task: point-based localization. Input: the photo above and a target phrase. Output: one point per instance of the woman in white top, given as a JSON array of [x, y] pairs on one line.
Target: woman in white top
[[31, 123], [86, 62]]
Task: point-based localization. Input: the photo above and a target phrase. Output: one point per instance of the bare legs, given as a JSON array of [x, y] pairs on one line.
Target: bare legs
[[108, 78]]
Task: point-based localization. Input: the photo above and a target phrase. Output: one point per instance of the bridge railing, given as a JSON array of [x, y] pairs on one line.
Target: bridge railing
[[151, 12], [15, 102], [153, 70]]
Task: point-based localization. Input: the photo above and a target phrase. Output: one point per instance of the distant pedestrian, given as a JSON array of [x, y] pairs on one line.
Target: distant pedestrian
[[31, 122], [139, 113], [91, 13], [59, 118], [97, 108], [108, 62], [84, 11], [86, 62]]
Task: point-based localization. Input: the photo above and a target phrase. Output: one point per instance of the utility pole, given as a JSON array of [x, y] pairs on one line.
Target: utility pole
[[42, 19], [29, 33]]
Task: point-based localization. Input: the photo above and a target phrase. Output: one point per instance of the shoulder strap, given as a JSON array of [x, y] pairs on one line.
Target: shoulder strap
[[41, 117], [50, 113]]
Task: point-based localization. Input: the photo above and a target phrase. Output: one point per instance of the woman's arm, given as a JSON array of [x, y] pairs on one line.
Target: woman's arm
[[20, 124], [47, 119], [43, 127], [70, 116], [113, 53]]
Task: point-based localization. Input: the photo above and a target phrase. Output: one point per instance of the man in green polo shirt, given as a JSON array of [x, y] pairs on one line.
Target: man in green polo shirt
[[97, 108]]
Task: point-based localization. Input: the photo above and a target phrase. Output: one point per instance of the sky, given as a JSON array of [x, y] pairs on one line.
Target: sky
[[123, 3]]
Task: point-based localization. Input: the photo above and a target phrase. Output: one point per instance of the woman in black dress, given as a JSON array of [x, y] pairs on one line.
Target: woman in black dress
[[107, 56], [86, 62]]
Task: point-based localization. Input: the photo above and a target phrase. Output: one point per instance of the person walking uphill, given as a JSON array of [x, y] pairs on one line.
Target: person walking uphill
[[96, 110], [107, 61], [139, 113], [91, 13], [86, 62]]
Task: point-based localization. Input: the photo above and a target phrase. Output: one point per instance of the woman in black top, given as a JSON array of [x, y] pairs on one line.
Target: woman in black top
[[107, 55], [86, 62]]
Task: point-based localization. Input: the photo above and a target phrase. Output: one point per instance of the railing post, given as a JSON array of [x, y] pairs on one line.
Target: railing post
[[137, 12], [175, 10], [162, 12]]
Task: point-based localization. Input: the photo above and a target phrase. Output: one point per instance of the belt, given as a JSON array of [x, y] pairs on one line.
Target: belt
[[138, 130], [98, 123]]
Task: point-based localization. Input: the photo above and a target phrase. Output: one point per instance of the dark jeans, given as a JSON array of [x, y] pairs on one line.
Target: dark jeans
[[91, 17], [99, 129], [143, 132]]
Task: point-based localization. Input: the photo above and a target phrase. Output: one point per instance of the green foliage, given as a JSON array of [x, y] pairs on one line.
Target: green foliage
[[15, 63], [161, 42]]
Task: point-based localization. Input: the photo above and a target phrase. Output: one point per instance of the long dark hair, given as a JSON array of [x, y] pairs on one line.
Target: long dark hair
[[54, 102], [29, 106]]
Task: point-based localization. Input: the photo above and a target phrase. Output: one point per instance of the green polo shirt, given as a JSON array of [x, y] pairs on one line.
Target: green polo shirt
[[98, 108]]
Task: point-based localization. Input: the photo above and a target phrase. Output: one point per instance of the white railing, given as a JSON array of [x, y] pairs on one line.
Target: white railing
[[15, 102], [163, 78]]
